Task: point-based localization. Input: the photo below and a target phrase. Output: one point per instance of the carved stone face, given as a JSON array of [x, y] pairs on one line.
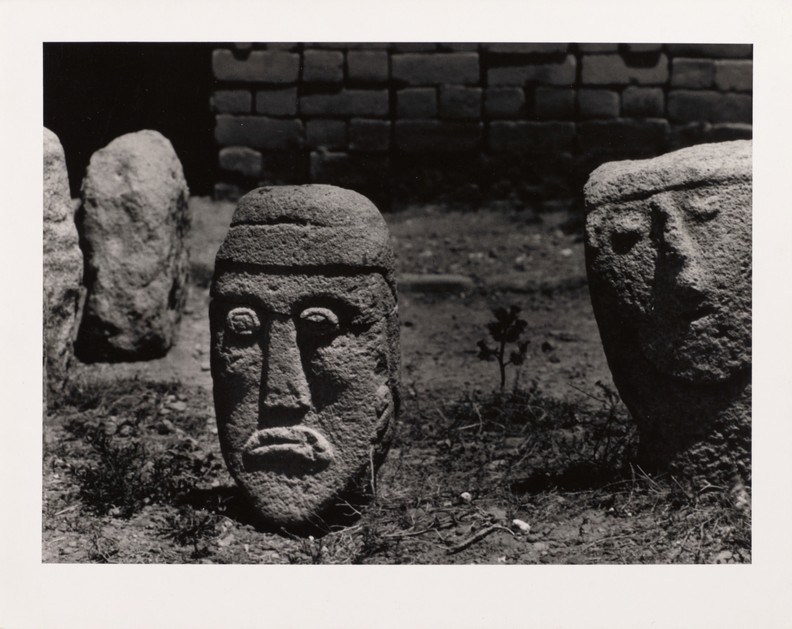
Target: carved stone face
[[676, 266], [304, 379]]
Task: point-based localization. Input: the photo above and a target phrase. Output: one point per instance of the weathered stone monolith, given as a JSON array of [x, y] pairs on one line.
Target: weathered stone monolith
[[305, 349], [134, 224], [63, 267], [668, 249]]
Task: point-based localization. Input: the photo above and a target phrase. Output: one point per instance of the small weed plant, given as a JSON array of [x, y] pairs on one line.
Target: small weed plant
[[506, 328]]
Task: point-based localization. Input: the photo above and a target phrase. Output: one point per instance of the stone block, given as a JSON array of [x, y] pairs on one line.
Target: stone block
[[323, 66], [413, 46], [226, 191], [458, 46], [530, 136], [504, 102], [63, 268], [269, 134], [460, 103], [623, 137], [690, 133], [261, 66], [715, 51], [305, 401], [692, 73], [643, 102], [346, 102], [668, 255], [331, 134], [435, 136], [135, 223], [613, 70], [595, 103], [368, 66], [734, 75], [277, 102], [458, 68], [369, 135], [416, 102], [283, 167], [643, 48], [598, 48], [553, 103], [231, 102], [242, 160], [561, 73], [526, 48], [708, 106]]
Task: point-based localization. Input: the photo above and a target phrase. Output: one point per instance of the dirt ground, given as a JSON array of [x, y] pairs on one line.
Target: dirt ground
[[541, 473]]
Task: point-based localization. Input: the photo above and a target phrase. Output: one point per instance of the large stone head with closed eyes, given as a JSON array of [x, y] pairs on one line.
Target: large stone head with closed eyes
[[305, 348], [669, 258]]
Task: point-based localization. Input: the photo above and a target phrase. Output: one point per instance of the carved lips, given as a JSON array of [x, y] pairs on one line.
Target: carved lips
[[293, 444]]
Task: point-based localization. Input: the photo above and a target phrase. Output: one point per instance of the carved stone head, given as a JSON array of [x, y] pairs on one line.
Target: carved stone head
[[305, 348], [668, 254], [669, 248]]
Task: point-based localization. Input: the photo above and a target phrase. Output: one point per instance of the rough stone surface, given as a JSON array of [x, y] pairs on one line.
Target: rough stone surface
[[668, 248], [305, 349], [134, 224], [63, 266]]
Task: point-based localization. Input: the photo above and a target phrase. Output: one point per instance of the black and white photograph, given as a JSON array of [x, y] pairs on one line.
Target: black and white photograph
[[355, 326], [485, 307]]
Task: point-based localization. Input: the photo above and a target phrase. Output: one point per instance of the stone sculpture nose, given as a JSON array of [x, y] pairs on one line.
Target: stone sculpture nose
[[680, 251], [284, 386]]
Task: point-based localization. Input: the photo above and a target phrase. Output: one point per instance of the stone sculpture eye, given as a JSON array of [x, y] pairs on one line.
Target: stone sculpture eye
[[319, 321], [243, 321], [624, 240], [704, 209]]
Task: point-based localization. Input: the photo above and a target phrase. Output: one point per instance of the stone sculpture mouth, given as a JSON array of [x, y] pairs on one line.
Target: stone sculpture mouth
[[287, 445]]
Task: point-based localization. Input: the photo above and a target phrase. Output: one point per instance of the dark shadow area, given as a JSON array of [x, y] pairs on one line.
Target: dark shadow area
[[95, 92]]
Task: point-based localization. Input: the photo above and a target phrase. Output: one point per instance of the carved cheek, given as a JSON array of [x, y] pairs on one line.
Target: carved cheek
[[345, 361]]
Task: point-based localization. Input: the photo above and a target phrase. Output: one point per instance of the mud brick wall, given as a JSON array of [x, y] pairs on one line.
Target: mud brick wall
[[484, 120]]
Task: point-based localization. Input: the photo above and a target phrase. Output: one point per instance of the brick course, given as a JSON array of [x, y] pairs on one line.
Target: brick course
[[708, 106], [461, 68], [693, 73], [460, 103], [531, 136], [552, 103], [417, 102], [279, 102], [330, 134], [593, 103], [613, 70], [503, 102], [260, 66], [643, 102], [231, 102], [369, 135], [346, 102], [562, 73], [268, 134], [734, 75], [434, 136], [323, 66], [370, 66]]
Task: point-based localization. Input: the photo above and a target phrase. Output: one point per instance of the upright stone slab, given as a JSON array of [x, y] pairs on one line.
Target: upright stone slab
[[668, 249], [63, 266], [134, 225], [305, 349]]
